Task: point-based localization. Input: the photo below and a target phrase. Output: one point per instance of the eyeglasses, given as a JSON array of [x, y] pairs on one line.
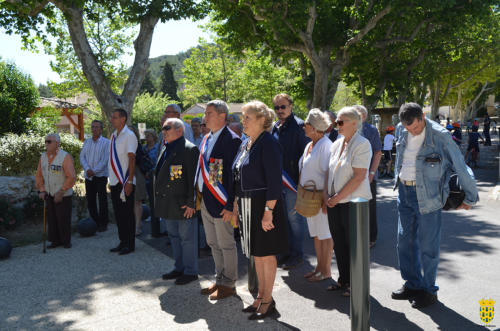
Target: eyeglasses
[[49, 141], [166, 128], [279, 107], [341, 122]]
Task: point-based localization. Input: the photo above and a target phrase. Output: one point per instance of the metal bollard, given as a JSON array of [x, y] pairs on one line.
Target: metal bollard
[[359, 228]]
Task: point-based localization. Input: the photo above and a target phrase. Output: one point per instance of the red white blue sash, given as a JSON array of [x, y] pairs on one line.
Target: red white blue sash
[[115, 163], [288, 182], [217, 190]]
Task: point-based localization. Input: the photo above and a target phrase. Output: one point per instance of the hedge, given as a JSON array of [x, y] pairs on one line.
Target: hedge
[[19, 154]]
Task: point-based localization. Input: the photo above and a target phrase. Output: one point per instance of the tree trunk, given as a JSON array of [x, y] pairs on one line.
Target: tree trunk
[[435, 93], [94, 74]]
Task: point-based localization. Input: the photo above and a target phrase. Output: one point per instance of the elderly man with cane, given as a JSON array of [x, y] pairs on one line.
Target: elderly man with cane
[[55, 178]]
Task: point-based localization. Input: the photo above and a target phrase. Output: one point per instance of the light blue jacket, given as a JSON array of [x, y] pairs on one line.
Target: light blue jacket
[[443, 158]]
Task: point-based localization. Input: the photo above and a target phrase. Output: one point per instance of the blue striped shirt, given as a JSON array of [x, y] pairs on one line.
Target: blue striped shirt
[[94, 156]]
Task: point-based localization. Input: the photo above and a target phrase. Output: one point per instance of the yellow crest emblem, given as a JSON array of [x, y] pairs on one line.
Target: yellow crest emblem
[[487, 310]]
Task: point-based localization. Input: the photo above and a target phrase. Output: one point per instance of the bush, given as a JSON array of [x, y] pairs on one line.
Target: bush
[[149, 109], [19, 154], [18, 98]]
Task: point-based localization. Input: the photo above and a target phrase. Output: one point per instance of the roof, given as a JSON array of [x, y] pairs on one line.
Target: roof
[[199, 108]]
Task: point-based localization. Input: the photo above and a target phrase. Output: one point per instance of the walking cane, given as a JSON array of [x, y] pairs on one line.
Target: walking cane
[[44, 226]]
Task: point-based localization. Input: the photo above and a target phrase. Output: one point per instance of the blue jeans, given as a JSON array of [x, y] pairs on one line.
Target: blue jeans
[[419, 237], [296, 225], [183, 236]]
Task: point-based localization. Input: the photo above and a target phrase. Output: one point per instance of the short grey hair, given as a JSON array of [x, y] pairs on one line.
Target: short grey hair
[[352, 114], [196, 120], [220, 107], [176, 107], [332, 115], [361, 110], [54, 135], [318, 120], [237, 124], [176, 123]]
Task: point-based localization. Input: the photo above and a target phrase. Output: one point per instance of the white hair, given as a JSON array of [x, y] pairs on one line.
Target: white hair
[[176, 123], [318, 120], [352, 114], [361, 110]]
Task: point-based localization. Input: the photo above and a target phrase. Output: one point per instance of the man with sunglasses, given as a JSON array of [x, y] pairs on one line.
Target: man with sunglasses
[[425, 158], [173, 110], [55, 178], [289, 130], [175, 199]]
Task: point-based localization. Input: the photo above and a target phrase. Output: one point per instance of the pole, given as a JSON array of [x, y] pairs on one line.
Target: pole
[[44, 226], [359, 226], [253, 282]]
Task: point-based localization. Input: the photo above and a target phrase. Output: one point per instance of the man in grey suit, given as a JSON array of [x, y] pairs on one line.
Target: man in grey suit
[[175, 199]]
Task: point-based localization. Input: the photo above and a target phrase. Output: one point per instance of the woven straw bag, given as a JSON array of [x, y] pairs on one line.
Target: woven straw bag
[[309, 200]]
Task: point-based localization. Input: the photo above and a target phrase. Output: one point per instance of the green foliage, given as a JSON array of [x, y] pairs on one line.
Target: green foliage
[[149, 109], [33, 207], [45, 91], [43, 121], [168, 85], [18, 98], [19, 154], [147, 85], [213, 72]]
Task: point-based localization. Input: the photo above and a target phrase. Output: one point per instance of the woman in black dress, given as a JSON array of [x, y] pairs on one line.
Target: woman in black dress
[[257, 172]]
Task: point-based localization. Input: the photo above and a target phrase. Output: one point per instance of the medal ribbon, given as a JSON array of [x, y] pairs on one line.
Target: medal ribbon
[[217, 190]]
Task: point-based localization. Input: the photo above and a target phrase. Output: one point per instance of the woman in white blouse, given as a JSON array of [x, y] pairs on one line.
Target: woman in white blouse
[[313, 165], [346, 179]]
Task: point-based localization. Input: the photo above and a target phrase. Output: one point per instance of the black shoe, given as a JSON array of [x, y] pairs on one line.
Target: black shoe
[[67, 246], [404, 293], [251, 308], [260, 316], [125, 251], [282, 260], [53, 245], [116, 249], [424, 299], [185, 279], [172, 275]]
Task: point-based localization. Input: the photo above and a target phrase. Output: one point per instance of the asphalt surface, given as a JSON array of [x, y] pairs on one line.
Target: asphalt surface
[[89, 288]]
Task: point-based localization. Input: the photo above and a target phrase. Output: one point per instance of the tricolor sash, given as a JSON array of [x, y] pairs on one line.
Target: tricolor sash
[[288, 182], [216, 189], [116, 166]]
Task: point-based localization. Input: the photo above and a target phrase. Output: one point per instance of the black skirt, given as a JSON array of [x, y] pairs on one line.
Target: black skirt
[[255, 240]]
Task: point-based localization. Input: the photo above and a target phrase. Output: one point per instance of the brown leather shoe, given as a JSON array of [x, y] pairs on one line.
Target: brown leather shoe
[[209, 290], [222, 292]]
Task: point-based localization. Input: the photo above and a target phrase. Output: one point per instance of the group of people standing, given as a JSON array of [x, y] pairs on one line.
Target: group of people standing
[[250, 180]]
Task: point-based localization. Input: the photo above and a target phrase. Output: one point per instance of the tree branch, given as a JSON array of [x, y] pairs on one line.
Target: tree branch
[[399, 39], [368, 27], [31, 9], [471, 75]]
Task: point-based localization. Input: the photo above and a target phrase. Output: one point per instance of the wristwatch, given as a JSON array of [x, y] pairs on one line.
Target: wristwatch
[[266, 208], [372, 172]]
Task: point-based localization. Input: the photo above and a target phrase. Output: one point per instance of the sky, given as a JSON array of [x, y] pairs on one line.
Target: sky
[[168, 39]]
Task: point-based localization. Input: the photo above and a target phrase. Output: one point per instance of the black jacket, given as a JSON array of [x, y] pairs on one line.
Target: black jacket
[[260, 173], [225, 149], [293, 140], [171, 189]]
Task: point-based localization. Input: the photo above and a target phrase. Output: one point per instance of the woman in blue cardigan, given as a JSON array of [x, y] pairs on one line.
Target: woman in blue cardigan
[[257, 171]]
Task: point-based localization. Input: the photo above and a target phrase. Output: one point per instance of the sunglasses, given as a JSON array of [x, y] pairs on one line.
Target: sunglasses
[[49, 141], [340, 122], [279, 107], [166, 128]]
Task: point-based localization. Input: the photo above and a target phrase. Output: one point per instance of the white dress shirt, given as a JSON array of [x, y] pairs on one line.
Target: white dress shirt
[[94, 156], [126, 142]]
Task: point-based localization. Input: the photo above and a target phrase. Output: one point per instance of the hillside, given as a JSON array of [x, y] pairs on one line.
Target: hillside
[[156, 64]]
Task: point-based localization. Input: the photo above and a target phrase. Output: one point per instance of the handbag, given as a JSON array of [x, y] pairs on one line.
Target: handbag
[[309, 200]]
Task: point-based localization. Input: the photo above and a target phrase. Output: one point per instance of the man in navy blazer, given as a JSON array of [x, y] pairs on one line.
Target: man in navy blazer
[[213, 176]]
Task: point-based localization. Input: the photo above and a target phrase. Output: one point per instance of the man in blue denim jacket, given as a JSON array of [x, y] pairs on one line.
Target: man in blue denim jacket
[[425, 158]]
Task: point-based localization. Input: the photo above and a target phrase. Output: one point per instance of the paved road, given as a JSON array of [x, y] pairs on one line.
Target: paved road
[[88, 288]]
